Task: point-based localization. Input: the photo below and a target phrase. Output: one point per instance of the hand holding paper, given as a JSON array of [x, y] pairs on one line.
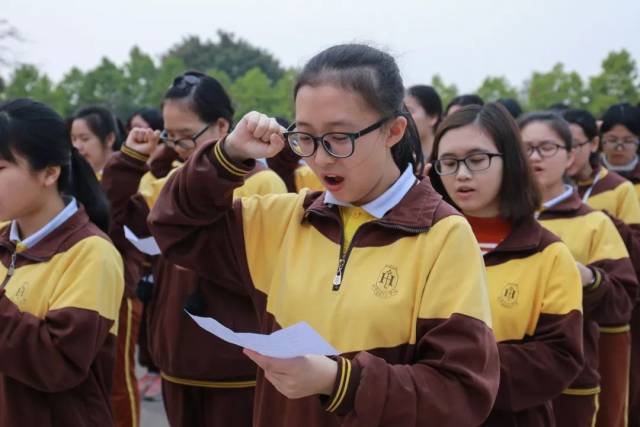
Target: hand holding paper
[[297, 340], [293, 358]]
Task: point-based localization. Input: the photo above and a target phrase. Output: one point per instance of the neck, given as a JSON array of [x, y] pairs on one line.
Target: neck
[[29, 224], [387, 179], [427, 146], [491, 210], [584, 173], [552, 191]]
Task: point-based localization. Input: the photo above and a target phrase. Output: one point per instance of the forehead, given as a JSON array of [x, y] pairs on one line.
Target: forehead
[[178, 116], [464, 140], [620, 131], [80, 126], [327, 105], [576, 131], [539, 131]]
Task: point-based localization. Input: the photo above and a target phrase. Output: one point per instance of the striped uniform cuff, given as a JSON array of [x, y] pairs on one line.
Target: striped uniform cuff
[[344, 391], [228, 167], [134, 154], [597, 280]]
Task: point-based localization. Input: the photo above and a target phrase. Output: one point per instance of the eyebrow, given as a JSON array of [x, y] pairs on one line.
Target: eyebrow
[[183, 130], [472, 151], [336, 123]]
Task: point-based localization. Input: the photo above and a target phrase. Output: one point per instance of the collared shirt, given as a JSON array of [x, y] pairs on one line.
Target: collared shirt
[[57, 221], [387, 200], [568, 191]]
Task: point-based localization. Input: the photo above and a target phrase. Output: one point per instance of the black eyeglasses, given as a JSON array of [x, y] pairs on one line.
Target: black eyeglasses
[[475, 162], [184, 143], [336, 144], [544, 149], [577, 145], [620, 143]]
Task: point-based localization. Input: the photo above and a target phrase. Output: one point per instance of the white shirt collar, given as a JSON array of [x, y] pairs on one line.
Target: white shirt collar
[[568, 191], [57, 221], [387, 200], [624, 168]]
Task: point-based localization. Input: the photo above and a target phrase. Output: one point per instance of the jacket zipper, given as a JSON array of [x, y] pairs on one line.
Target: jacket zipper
[[10, 271]]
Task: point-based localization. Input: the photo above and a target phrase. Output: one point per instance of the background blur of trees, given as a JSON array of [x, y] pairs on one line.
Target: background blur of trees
[[257, 80]]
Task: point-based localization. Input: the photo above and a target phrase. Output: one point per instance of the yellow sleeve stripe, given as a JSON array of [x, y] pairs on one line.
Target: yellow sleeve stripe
[[135, 154], [598, 280], [226, 163], [343, 386], [614, 329]]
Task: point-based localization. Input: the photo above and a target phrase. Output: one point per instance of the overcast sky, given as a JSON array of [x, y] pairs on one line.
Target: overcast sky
[[463, 40]]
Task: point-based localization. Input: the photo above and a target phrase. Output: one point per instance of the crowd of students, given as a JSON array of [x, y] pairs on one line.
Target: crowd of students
[[472, 264]]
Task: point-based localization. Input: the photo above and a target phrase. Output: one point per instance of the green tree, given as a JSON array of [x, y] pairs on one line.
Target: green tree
[[253, 91], [69, 88], [28, 82], [233, 56], [555, 86], [446, 92], [139, 74], [167, 71], [105, 85], [617, 82], [494, 88]]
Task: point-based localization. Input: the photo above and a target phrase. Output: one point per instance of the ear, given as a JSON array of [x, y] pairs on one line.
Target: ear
[[50, 176], [111, 139], [432, 121], [595, 144], [222, 125], [396, 131]]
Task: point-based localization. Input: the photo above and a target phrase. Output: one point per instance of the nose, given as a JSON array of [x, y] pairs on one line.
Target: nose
[[535, 155], [322, 158], [463, 172]]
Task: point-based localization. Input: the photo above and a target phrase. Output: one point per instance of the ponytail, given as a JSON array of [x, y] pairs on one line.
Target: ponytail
[[38, 133]]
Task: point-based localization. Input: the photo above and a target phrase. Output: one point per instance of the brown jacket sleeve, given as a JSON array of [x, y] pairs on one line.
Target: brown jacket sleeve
[[631, 237], [121, 180], [543, 365], [196, 223], [608, 300], [285, 164], [52, 354]]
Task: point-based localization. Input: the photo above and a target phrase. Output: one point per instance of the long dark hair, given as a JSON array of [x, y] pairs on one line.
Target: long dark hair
[[519, 193], [102, 123], [36, 132], [376, 77]]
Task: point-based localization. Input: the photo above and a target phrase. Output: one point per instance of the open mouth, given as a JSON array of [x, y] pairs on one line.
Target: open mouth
[[333, 180]]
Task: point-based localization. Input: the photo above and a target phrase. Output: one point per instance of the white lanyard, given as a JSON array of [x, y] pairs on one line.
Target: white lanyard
[[587, 193]]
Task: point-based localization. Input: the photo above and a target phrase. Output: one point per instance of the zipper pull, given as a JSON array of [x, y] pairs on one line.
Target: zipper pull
[[12, 266], [337, 281]]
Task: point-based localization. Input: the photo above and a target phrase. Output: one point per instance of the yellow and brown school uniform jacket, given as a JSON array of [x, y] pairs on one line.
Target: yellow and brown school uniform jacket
[[59, 304], [535, 295], [595, 243], [412, 324], [184, 353], [610, 192]]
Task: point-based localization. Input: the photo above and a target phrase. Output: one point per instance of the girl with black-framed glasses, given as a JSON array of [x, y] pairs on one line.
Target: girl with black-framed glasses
[[204, 381], [609, 283], [371, 263], [534, 285]]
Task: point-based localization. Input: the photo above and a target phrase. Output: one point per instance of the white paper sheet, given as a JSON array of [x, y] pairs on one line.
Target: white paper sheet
[[297, 340], [146, 245]]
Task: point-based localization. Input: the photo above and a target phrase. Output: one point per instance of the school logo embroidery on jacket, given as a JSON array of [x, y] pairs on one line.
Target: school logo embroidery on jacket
[[509, 295], [20, 295], [387, 283]]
